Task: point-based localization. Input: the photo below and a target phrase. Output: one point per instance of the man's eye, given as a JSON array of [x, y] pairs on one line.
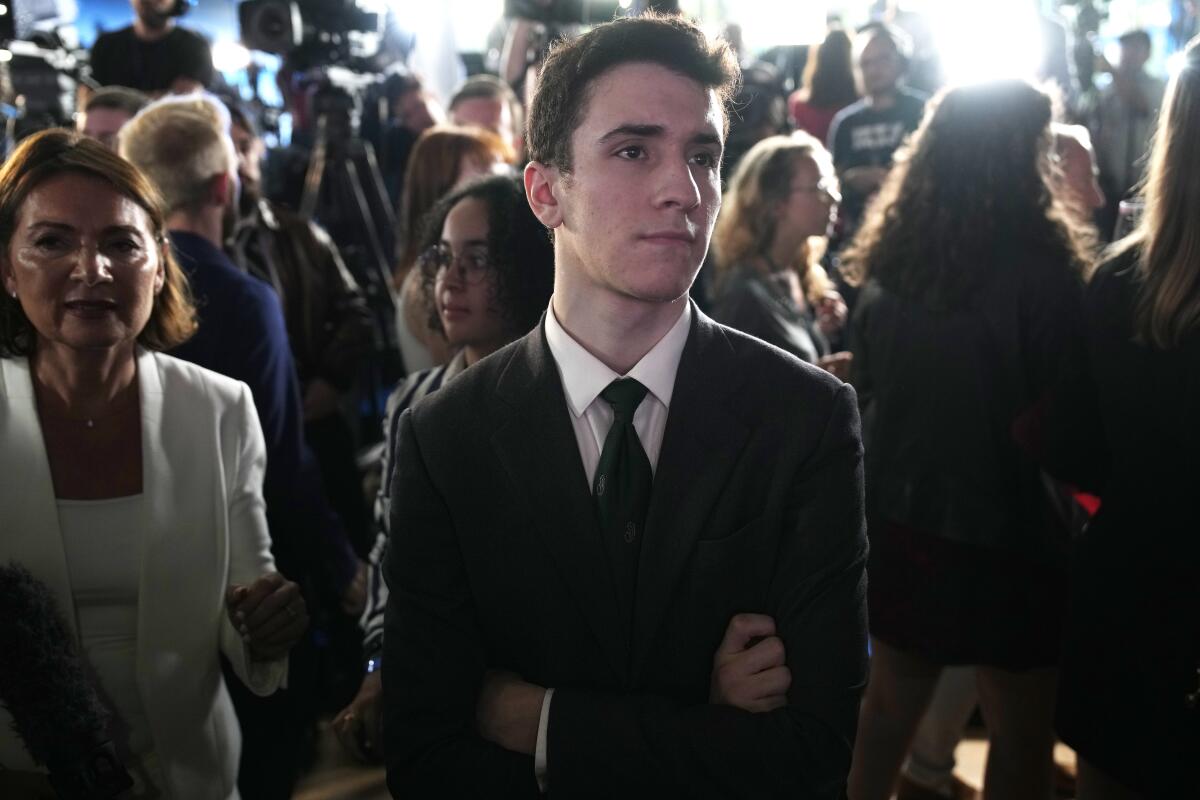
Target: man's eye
[[706, 159], [632, 152]]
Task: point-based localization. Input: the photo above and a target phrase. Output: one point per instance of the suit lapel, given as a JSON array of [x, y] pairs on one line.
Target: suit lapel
[[702, 442], [538, 449]]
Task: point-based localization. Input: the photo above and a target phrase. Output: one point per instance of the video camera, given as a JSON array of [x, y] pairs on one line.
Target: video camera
[[316, 32], [562, 12]]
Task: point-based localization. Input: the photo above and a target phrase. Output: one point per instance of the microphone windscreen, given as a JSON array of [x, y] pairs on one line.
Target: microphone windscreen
[[43, 684]]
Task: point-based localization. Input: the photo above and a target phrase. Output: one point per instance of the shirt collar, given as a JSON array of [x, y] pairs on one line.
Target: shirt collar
[[584, 376]]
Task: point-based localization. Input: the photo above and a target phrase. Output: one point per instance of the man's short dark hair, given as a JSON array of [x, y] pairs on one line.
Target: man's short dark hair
[[899, 40], [1135, 37], [573, 65], [489, 87], [118, 98]]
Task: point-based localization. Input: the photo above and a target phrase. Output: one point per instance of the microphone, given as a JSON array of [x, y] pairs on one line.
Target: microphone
[[55, 709]]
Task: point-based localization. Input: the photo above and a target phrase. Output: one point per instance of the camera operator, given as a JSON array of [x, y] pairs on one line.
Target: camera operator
[[329, 325], [153, 54]]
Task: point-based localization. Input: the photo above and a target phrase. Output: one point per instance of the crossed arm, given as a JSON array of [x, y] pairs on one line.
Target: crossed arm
[[781, 713]]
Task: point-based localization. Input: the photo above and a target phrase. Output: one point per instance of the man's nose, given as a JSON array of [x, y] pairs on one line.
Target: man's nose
[[678, 187]]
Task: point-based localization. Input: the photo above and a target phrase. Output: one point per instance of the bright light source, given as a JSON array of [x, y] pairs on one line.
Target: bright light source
[[981, 40], [3, 10], [229, 56], [769, 23], [1176, 63], [625, 3], [5, 56]]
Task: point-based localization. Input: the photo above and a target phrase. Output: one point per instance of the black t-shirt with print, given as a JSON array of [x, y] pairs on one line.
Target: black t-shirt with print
[[864, 136]]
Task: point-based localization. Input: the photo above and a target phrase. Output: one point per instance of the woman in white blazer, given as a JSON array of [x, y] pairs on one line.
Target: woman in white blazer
[[131, 480]]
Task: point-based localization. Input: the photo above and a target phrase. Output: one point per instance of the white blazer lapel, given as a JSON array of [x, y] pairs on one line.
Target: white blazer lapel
[[31, 535]]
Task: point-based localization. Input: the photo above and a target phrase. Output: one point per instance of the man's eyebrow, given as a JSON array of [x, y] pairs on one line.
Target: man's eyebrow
[[632, 129], [648, 130]]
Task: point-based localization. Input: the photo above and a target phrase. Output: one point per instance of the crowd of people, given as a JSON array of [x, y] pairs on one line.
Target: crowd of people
[[909, 444]]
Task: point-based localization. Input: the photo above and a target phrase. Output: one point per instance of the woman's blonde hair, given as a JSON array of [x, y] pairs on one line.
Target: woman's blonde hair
[[748, 222], [54, 152], [1169, 265]]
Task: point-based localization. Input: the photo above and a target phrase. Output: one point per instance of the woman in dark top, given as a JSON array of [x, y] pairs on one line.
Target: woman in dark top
[[768, 241], [828, 85], [973, 280], [1127, 426], [487, 270]]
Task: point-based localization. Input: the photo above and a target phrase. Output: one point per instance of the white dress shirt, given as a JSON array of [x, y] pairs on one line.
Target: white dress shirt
[[584, 377]]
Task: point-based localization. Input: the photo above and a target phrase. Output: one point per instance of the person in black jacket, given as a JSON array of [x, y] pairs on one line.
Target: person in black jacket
[[1124, 425], [628, 550], [973, 280]]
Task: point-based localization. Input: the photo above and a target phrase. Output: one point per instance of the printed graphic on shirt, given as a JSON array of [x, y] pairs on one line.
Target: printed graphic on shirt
[[879, 136]]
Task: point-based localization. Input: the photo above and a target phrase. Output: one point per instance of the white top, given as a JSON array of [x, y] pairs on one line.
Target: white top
[[584, 377], [102, 540]]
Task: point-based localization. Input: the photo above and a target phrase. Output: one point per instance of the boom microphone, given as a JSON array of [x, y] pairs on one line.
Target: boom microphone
[[54, 707]]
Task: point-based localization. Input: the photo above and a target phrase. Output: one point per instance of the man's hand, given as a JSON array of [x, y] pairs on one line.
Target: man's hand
[[865, 180], [359, 726], [320, 400], [752, 678], [269, 613], [508, 711]]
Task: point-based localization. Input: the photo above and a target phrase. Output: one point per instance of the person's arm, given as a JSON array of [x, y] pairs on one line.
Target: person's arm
[[347, 318], [639, 744], [296, 505], [249, 543], [434, 653], [818, 601]]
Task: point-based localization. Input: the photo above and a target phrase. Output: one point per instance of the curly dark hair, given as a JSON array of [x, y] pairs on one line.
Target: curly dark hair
[[968, 190], [518, 247]]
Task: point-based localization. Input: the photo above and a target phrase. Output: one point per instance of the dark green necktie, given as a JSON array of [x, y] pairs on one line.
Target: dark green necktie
[[622, 486]]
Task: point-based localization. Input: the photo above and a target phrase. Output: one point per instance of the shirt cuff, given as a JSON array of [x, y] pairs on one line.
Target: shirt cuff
[[539, 751]]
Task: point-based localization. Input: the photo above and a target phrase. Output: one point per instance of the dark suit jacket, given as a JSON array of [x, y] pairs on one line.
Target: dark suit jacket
[[496, 563], [242, 335]]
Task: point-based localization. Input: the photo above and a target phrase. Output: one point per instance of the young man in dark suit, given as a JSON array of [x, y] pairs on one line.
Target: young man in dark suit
[[628, 550]]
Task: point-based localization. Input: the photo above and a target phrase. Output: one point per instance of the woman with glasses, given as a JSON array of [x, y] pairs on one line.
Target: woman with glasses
[[488, 270], [131, 484], [444, 158], [768, 242]]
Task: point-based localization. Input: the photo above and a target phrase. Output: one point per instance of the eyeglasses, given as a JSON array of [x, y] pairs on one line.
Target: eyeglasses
[[473, 263], [827, 186]]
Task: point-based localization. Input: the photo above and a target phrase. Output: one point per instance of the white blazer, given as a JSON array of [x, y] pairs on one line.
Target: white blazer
[[205, 528]]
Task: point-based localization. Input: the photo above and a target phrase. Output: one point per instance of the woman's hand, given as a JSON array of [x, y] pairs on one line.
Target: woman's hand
[[359, 726], [270, 614], [837, 364], [831, 313]]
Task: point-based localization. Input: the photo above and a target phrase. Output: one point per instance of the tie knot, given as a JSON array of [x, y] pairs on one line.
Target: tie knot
[[624, 395]]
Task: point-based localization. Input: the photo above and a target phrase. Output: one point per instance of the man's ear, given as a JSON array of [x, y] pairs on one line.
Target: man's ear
[[219, 187], [541, 183]]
